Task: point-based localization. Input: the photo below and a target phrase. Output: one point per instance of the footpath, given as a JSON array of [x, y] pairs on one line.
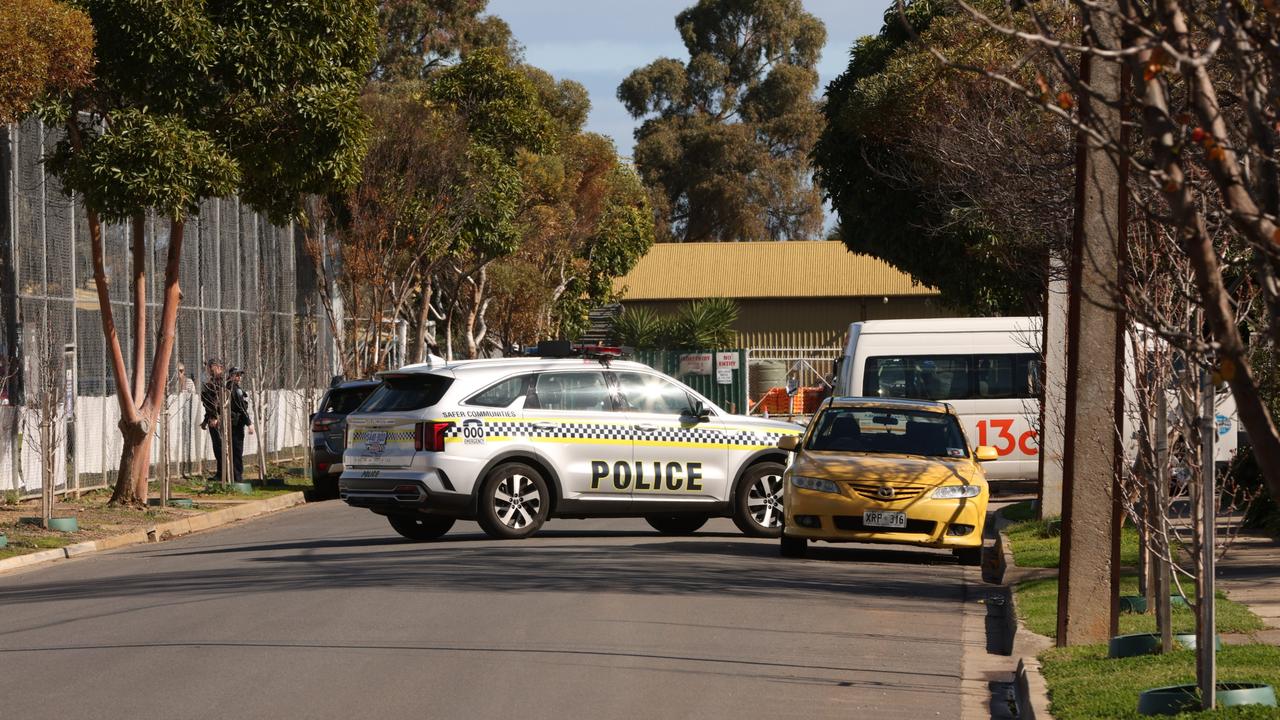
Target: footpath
[[1250, 574], [158, 532]]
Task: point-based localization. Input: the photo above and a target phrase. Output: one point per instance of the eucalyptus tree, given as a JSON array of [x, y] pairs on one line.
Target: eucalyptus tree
[[724, 146]]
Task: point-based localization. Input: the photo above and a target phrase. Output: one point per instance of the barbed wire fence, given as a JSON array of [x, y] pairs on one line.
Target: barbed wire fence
[[245, 291]]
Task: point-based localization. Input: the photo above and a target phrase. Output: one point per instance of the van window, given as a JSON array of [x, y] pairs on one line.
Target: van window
[[919, 377], [952, 377], [407, 392]]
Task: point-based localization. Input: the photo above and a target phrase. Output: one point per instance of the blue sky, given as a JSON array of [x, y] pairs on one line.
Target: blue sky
[[599, 42]]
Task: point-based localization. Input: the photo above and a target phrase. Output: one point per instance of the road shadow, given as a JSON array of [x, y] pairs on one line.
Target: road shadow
[[573, 563]]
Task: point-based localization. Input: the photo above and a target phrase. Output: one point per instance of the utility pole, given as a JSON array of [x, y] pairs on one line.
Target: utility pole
[[1088, 569]]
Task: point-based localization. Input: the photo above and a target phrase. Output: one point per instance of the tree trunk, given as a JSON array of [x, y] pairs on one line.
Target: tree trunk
[[420, 350], [139, 418], [138, 251]]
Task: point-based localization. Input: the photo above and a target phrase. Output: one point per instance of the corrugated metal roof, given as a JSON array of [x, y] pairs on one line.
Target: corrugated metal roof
[[679, 271]]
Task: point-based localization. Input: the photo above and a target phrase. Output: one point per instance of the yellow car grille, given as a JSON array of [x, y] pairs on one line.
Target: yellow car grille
[[887, 493]]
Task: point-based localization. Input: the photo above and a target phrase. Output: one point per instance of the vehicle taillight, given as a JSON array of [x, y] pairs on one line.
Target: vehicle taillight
[[429, 436], [322, 424]]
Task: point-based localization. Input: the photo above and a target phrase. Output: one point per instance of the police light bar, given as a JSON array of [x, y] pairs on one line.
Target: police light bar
[[566, 349]]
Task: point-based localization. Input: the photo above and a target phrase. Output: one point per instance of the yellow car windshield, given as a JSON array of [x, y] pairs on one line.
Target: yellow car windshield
[[875, 430]]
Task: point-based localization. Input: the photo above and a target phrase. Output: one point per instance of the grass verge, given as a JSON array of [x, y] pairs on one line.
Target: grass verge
[[1038, 608], [1085, 684], [1037, 543], [22, 544]]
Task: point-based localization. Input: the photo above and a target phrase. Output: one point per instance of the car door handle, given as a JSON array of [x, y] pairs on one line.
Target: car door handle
[[545, 425], [646, 427]]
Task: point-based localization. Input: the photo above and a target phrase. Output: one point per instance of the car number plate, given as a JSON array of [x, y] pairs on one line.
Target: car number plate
[[375, 441], [883, 518]]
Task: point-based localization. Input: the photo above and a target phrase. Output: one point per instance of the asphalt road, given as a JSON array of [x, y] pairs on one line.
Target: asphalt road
[[322, 612]]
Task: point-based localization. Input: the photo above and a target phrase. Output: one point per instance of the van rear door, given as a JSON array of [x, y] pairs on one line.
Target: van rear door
[[394, 424]]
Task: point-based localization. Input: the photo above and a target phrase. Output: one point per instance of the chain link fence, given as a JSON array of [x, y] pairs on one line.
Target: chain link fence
[[241, 282]]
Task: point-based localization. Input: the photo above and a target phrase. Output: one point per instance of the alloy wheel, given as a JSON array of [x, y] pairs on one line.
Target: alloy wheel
[[764, 501], [516, 501]]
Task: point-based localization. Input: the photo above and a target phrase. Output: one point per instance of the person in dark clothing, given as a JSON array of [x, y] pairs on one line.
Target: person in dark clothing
[[240, 420], [212, 395]]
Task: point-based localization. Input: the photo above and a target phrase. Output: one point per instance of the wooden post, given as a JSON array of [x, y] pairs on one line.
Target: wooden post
[[1206, 631]]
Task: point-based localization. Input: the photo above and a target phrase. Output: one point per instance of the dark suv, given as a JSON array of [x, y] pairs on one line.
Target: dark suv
[[329, 432]]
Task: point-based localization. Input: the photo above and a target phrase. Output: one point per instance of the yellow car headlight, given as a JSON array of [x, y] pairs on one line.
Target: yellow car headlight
[[818, 484], [955, 492]]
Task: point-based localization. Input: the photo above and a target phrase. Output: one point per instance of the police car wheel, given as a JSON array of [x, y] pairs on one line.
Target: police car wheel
[[758, 502], [793, 547], [513, 502], [420, 527], [676, 524]]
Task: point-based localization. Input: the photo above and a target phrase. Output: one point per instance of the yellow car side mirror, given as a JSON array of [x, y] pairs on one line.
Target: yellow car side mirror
[[790, 443], [986, 453]]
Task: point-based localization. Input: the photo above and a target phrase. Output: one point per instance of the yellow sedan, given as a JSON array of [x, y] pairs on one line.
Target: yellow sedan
[[885, 471]]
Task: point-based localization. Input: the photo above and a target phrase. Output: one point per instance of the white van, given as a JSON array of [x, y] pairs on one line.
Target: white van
[[988, 369]]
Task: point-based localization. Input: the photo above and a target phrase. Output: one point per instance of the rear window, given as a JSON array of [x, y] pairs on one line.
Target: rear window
[[407, 392], [345, 400]]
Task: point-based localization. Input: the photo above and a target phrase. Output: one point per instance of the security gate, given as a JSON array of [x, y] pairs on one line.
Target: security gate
[[789, 381]]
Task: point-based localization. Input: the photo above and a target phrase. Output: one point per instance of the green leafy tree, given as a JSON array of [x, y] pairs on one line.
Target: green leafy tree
[[46, 47], [584, 221], [505, 120], [726, 136], [940, 174], [194, 100], [420, 37]]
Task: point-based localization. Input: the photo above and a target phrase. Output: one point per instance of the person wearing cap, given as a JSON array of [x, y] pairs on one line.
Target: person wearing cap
[[212, 395], [240, 420]]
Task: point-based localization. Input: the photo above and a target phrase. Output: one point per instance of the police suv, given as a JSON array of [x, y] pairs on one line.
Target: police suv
[[511, 442]]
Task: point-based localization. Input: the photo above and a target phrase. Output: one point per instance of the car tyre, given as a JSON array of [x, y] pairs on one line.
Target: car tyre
[[676, 524], [514, 502], [793, 547], [758, 501], [421, 528], [969, 557]]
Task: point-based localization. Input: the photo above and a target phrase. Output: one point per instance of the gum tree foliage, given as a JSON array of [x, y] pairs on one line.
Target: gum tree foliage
[[726, 135], [203, 99], [584, 221], [504, 119], [420, 37], [939, 173], [45, 47]]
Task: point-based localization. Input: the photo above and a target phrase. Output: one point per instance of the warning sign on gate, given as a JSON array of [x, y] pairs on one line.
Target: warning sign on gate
[[726, 363], [695, 364]]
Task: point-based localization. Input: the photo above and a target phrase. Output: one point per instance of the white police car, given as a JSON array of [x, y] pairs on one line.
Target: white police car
[[512, 442]]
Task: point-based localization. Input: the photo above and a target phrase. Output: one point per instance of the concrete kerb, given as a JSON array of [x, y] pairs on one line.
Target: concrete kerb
[[160, 532], [1031, 693]]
